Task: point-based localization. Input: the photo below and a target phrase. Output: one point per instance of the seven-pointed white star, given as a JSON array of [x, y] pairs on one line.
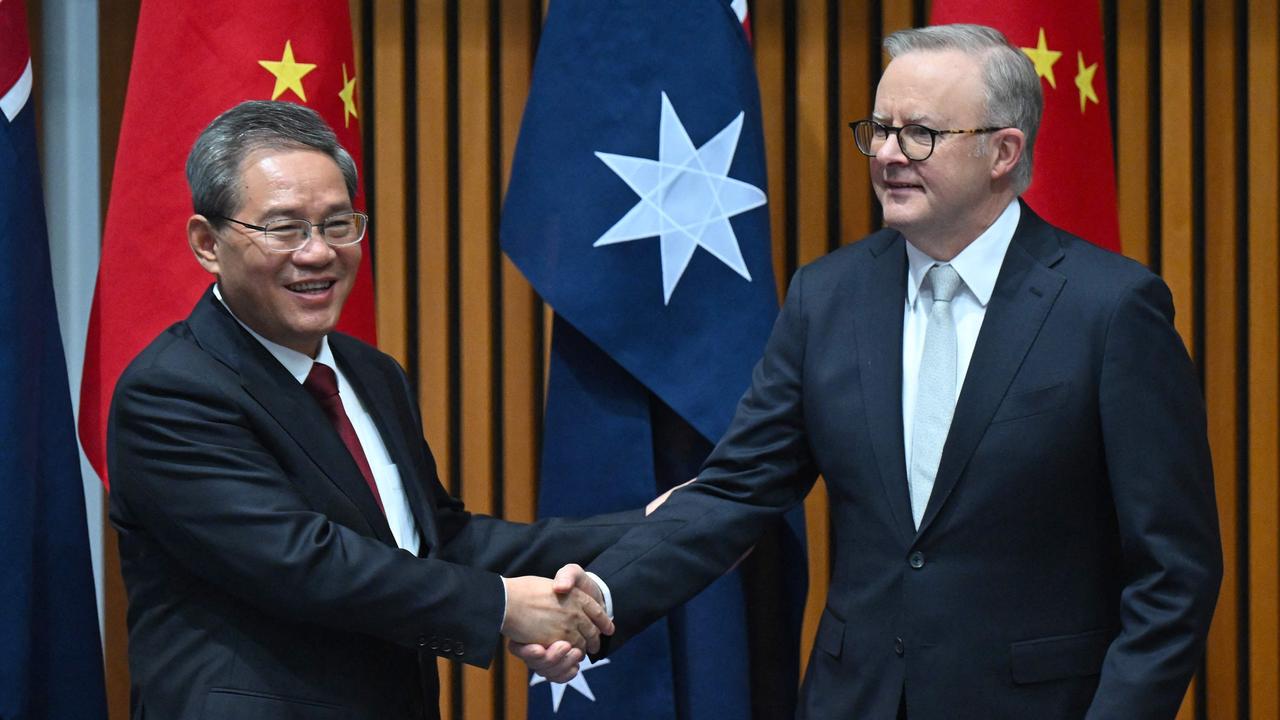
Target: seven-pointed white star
[[579, 683], [686, 198]]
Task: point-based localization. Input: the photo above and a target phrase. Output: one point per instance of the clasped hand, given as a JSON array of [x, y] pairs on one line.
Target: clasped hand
[[552, 624]]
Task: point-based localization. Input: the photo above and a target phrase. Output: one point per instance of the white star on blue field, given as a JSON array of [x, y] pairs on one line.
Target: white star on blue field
[[686, 198], [577, 682]]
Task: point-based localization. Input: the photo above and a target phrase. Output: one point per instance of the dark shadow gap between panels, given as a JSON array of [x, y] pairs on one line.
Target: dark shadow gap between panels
[[367, 124], [834, 126], [452, 233], [1199, 341], [1154, 178], [411, 228], [498, 678], [790, 162], [876, 24], [1109, 49], [537, 317], [1242, 355]]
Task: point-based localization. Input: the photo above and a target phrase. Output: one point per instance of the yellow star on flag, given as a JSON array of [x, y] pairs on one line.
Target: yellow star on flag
[[288, 72], [348, 95], [1044, 58], [1084, 81]]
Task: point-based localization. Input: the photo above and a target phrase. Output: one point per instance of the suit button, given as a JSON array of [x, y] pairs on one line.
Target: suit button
[[458, 650], [422, 641], [446, 647], [898, 647], [916, 560]]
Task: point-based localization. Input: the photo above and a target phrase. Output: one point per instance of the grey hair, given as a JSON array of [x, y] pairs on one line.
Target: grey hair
[[1013, 94], [215, 163]]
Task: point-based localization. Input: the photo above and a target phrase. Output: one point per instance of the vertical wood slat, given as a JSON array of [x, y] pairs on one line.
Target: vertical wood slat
[[1176, 192], [1220, 361], [1133, 136], [521, 376], [811, 202], [1264, 347], [768, 32], [435, 278], [857, 95], [477, 255], [389, 174]]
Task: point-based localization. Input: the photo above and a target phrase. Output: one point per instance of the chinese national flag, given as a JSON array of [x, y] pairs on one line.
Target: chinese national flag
[[1074, 184], [191, 62]]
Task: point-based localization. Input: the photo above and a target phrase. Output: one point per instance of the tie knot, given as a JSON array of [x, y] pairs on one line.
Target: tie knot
[[321, 382], [944, 279]]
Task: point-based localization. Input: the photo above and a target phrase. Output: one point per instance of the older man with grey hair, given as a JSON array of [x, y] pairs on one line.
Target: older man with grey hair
[[1011, 432]]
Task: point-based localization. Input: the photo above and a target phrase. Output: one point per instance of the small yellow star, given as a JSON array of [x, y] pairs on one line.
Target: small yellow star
[[1044, 58], [288, 73], [1084, 81], [348, 95]]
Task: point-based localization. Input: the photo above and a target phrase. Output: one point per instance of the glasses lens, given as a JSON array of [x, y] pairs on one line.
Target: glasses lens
[[868, 136], [916, 141], [344, 229], [286, 235]]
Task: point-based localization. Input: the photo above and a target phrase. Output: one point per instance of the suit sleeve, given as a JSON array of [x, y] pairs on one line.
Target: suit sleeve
[[760, 469], [190, 473], [1154, 435]]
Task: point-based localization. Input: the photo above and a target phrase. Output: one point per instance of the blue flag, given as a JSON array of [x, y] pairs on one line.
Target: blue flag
[[50, 653], [637, 209]]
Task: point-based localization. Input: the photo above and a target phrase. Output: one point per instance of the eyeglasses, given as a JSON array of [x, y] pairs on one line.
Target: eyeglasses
[[915, 141], [291, 235]]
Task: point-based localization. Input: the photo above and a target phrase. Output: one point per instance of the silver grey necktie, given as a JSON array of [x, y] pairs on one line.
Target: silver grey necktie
[[935, 390]]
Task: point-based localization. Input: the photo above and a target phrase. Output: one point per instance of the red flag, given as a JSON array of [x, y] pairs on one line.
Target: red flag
[[1074, 184], [192, 61]]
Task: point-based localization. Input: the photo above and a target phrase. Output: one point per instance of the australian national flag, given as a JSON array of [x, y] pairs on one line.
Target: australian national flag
[[637, 209], [50, 655]]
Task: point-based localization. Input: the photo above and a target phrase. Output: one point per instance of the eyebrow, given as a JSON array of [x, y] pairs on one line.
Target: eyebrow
[[915, 118]]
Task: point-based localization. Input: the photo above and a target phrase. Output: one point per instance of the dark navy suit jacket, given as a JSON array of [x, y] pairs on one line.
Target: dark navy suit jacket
[[263, 580], [1068, 561]]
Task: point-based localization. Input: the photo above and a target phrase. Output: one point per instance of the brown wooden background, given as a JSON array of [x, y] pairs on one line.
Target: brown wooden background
[[1195, 92]]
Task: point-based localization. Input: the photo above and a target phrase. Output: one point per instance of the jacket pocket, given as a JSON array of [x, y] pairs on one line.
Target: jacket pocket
[[1032, 402], [223, 703], [830, 633], [1054, 658]]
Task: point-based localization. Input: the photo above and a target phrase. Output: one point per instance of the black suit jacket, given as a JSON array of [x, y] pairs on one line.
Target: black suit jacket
[[1068, 561], [263, 579]]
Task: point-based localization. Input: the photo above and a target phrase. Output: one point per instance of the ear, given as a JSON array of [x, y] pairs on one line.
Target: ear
[[1006, 149], [204, 242]]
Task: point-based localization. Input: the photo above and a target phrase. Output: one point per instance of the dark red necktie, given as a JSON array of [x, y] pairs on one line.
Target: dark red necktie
[[322, 383]]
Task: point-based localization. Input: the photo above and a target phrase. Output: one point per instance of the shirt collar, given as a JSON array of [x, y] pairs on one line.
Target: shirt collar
[[978, 265], [298, 364]]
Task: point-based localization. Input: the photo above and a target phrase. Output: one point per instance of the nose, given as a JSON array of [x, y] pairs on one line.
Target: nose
[[316, 251], [890, 153]]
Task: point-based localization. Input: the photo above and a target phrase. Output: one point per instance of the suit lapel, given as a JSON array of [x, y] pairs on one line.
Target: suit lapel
[[288, 403], [880, 291], [395, 425], [1025, 291]]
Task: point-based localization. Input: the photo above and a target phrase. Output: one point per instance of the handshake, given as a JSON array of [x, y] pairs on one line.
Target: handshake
[[552, 624]]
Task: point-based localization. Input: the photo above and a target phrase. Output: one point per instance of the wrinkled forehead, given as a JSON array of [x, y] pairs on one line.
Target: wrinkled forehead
[[935, 88]]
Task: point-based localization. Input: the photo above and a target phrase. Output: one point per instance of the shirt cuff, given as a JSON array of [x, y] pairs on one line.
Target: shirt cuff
[[504, 603], [604, 590]]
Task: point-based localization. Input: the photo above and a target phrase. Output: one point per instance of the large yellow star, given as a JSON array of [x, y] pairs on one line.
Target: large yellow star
[[348, 95], [1084, 81], [1044, 58], [288, 72]]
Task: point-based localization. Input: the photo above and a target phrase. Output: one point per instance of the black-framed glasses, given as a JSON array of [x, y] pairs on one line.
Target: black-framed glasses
[[915, 141], [291, 235]]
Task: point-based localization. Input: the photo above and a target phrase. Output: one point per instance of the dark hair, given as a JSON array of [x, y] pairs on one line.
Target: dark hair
[[216, 159]]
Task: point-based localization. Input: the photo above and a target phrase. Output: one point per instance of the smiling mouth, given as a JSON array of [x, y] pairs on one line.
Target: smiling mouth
[[310, 287]]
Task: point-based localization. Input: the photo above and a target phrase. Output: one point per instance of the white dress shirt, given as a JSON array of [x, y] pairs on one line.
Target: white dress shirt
[[385, 474], [978, 266]]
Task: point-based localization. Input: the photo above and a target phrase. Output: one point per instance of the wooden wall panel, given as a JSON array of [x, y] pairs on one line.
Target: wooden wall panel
[[1133, 128], [1263, 157], [1220, 204]]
